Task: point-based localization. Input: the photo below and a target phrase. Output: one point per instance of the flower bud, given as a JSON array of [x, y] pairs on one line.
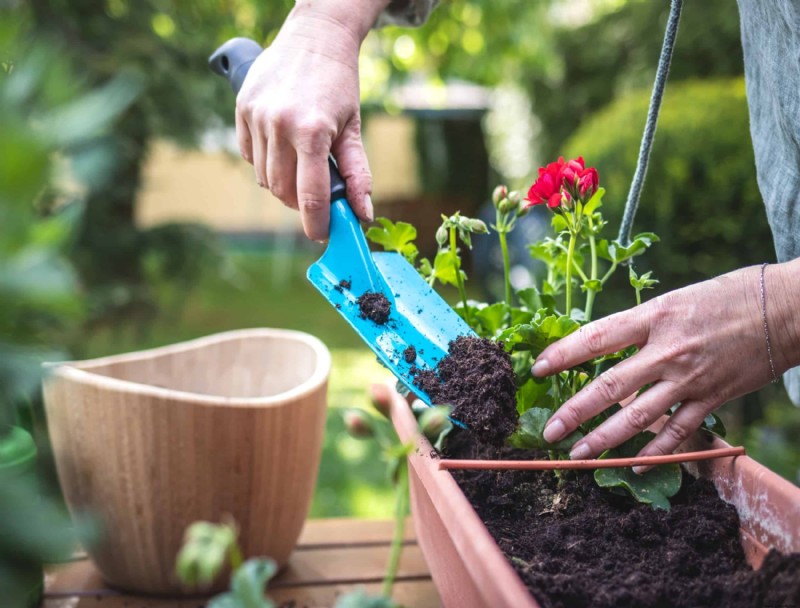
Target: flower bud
[[358, 424], [434, 420], [499, 194], [515, 197], [442, 235], [475, 226], [505, 206]]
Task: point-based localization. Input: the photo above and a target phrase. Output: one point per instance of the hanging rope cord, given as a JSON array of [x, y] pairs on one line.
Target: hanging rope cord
[[664, 61]]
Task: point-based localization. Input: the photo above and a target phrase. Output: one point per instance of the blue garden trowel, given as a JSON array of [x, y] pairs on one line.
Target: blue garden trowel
[[418, 317]]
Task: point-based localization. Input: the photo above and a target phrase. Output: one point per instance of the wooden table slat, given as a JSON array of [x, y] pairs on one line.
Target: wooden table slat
[[335, 556]]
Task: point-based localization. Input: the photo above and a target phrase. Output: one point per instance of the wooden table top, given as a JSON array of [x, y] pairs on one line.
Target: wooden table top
[[333, 556]]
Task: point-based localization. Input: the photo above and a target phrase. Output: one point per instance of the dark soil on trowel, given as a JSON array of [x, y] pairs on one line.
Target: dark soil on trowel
[[410, 354], [475, 378], [374, 306], [582, 546]]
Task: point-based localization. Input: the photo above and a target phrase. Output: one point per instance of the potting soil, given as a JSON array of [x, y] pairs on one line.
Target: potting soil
[[374, 306], [475, 378], [582, 546]]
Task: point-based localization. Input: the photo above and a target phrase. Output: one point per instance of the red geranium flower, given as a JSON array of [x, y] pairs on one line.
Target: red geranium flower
[[562, 182], [547, 189]]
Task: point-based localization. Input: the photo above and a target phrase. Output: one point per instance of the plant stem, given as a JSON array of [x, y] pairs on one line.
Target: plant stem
[[638, 296], [608, 274], [400, 510], [459, 280], [506, 265], [568, 286], [235, 555], [591, 293]]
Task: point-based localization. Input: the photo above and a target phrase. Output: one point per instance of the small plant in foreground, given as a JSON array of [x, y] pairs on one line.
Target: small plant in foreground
[[579, 264]]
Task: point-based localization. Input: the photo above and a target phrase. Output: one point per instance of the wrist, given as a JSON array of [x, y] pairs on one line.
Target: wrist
[[352, 18], [782, 282]]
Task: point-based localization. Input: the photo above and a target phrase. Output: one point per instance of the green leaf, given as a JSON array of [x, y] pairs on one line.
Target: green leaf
[[641, 282], [528, 435], [520, 316], [250, 580], [618, 253], [444, 268], [653, 488], [595, 202], [533, 393], [713, 424], [533, 300], [592, 285], [360, 599], [204, 552], [539, 333], [559, 223], [492, 318], [397, 237]]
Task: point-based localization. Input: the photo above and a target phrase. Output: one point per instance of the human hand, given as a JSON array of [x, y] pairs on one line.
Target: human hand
[[699, 346], [300, 102]]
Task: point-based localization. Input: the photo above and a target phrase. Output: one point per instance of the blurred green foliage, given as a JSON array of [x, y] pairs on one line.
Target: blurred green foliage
[[617, 53], [701, 193], [166, 44], [52, 148]]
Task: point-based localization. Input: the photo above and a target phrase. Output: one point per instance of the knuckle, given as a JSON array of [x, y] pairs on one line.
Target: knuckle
[[314, 135], [570, 415], [636, 417], [594, 338], [609, 386], [311, 204], [283, 118], [677, 431]]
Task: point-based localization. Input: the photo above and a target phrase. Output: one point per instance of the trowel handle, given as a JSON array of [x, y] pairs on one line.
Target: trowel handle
[[233, 60]]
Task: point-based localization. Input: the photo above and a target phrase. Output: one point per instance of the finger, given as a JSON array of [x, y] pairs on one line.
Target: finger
[[244, 138], [627, 422], [601, 337], [685, 421], [611, 387], [354, 167], [260, 157], [313, 194], [282, 169]]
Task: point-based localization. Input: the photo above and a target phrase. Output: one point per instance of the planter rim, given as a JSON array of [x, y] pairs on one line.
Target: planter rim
[[82, 371]]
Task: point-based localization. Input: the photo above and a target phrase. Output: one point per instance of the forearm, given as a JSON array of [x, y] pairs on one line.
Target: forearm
[[352, 19], [782, 291]]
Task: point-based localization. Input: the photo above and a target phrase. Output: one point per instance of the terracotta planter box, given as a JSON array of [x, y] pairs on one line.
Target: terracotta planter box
[[470, 570], [148, 442]]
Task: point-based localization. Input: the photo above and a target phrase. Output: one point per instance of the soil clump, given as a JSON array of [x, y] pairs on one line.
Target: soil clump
[[374, 306], [475, 378]]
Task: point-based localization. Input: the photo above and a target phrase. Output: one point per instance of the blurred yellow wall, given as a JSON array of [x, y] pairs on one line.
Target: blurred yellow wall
[[219, 189]]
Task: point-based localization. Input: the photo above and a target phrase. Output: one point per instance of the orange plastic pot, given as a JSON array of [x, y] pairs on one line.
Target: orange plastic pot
[[470, 570]]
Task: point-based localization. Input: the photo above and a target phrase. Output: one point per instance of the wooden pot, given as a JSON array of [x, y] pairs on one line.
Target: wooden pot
[[148, 442], [470, 570]]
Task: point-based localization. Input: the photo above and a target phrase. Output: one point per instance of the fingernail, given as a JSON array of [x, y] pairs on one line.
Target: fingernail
[[554, 430], [370, 212], [541, 367], [580, 452], [641, 469]]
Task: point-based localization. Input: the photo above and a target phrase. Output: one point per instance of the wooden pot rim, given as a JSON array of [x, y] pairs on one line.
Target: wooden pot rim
[[81, 371]]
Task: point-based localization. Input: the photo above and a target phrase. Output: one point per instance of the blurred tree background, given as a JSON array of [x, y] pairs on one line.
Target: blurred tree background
[[566, 77]]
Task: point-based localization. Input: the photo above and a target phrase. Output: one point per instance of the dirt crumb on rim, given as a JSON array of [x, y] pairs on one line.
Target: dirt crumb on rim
[[374, 306], [476, 378]]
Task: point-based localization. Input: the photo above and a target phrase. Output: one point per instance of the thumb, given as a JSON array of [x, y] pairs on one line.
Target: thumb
[[348, 149]]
